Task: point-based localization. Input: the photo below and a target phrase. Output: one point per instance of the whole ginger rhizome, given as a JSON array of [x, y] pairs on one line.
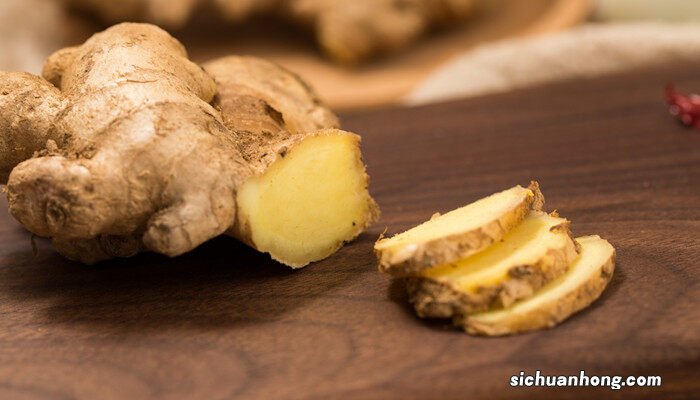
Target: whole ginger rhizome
[[125, 145]]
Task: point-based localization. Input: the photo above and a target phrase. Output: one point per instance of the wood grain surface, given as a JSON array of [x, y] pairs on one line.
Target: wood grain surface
[[224, 322]]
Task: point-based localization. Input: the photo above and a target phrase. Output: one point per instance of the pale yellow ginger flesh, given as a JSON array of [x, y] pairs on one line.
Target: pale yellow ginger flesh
[[527, 244], [579, 287], [306, 205], [459, 233]]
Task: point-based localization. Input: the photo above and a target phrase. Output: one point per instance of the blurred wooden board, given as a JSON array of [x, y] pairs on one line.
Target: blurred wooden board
[[380, 82], [386, 80], [226, 322]]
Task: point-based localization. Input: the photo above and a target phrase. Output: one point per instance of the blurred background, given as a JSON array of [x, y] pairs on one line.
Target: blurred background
[[490, 46]]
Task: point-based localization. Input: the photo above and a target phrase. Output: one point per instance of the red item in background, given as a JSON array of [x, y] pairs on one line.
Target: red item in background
[[685, 107]]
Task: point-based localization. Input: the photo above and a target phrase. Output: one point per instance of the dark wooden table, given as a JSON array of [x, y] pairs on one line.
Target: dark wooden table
[[225, 322]]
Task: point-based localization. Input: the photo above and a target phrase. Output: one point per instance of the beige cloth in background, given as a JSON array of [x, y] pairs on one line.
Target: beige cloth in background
[[586, 51]]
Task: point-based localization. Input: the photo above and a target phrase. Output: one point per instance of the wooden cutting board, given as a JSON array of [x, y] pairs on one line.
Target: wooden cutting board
[[225, 322]]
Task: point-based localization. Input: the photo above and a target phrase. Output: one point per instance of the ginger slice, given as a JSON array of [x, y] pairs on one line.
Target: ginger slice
[[459, 233], [559, 299], [533, 253]]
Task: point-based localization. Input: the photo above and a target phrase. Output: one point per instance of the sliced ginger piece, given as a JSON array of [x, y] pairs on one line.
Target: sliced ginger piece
[[582, 284], [459, 233], [533, 253], [307, 204]]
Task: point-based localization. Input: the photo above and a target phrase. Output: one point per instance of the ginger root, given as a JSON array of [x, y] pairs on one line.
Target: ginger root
[[139, 149], [347, 31], [307, 193], [526, 274], [168, 13]]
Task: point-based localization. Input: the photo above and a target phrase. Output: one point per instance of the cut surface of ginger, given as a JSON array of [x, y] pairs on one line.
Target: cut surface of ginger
[[576, 289], [458, 233], [528, 244], [311, 201]]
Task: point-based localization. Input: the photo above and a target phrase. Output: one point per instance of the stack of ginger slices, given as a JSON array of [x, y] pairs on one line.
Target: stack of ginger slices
[[499, 266]]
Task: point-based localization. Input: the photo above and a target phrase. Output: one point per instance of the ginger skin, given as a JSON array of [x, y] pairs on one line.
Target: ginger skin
[[349, 32], [133, 156]]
